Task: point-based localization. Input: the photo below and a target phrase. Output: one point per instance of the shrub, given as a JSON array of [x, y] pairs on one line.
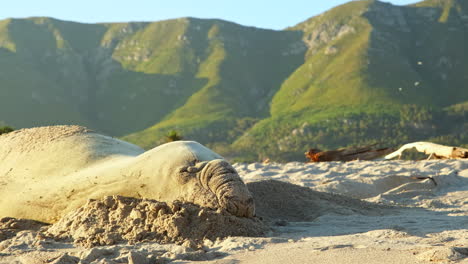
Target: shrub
[[173, 136], [5, 129]]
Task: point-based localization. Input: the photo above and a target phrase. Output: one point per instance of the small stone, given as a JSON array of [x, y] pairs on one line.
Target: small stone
[[136, 258], [189, 243], [95, 253], [175, 207], [66, 259], [109, 201], [136, 214]]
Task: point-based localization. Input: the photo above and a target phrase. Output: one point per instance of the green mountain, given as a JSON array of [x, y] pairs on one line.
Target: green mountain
[[373, 73], [122, 78], [364, 72]]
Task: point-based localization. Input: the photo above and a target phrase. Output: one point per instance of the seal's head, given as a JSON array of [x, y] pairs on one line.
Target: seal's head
[[221, 178], [188, 171], [219, 186]]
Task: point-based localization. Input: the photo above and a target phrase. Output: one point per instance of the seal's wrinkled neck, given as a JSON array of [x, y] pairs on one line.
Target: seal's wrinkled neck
[[219, 177]]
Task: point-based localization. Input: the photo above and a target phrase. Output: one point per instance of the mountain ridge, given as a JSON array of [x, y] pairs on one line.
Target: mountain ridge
[[248, 93]]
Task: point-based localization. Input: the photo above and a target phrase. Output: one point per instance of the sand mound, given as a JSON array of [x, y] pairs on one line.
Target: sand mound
[[116, 219], [9, 226], [275, 200], [444, 254], [28, 138]]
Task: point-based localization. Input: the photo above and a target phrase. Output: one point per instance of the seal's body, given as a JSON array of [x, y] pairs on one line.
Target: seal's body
[[48, 171]]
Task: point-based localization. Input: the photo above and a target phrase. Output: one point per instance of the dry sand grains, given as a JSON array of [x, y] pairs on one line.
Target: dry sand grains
[[116, 219]]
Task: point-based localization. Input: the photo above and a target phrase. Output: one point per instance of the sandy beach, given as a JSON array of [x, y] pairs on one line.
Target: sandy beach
[[234, 132], [334, 212]]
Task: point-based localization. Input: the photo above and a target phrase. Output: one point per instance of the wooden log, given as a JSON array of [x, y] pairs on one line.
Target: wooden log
[[434, 151], [347, 154]]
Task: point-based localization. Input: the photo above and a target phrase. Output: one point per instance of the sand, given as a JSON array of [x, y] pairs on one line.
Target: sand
[[119, 219], [354, 212]]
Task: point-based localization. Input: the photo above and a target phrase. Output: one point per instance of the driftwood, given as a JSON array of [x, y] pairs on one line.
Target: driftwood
[[435, 151], [347, 154]]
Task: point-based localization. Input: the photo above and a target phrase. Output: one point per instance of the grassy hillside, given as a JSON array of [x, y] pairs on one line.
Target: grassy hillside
[[243, 68], [123, 78], [364, 72], [374, 73]]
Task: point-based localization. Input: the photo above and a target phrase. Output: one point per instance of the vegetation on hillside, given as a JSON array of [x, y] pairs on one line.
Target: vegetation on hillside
[[6, 129], [173, 136], [364, 72], [289, 140]]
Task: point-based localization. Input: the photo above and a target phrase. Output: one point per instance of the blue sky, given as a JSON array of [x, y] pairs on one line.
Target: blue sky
[[273, 14]]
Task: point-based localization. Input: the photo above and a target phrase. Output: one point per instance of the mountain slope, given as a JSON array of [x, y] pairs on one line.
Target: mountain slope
[[373, 73], [122, 78], [243, 69], [364, 72]]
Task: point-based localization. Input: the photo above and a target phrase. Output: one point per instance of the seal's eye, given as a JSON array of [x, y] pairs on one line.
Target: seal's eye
[[184, 176], [193, 169]]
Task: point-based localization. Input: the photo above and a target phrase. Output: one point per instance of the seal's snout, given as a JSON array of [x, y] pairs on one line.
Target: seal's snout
[[222, 179], [239, 207]]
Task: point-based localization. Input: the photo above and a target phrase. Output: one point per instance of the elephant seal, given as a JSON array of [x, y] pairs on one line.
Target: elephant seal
[[46, 172]]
